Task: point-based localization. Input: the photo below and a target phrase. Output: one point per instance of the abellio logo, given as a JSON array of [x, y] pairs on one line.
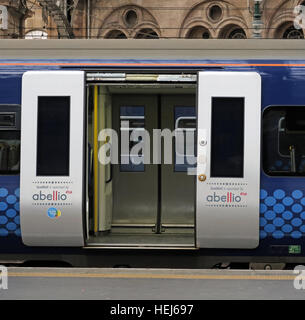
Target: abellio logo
[[54, 196], [54, 213], [229, 197]]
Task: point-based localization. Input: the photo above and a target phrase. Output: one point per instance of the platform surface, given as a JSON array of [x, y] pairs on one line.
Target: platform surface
[[149, 284]]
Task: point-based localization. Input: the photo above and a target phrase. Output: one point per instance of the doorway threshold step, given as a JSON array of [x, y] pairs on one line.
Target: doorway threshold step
[[187, 240]]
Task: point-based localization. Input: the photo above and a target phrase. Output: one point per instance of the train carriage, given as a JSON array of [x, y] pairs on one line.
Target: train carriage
[[152, 152]]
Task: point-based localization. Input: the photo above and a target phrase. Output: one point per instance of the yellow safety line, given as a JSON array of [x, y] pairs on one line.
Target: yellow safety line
[[152, 276], [95, 158]]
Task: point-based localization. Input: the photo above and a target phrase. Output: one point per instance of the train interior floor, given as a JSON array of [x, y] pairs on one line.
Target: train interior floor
[[125, 237]]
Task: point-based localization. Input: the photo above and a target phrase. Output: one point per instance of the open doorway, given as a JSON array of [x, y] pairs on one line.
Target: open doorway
[[144, 203]]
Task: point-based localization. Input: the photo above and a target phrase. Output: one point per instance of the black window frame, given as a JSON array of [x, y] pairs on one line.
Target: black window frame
[[43, 167], [277, 174], [241, 173], [14, 131]]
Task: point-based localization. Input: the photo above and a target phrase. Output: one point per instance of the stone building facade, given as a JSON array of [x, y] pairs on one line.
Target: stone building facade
[[12, 18], [120, 19]]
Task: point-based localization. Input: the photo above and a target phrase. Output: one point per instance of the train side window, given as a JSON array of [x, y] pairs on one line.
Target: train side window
[[284, 141], [9, 139], [9, 152], [132, 121]]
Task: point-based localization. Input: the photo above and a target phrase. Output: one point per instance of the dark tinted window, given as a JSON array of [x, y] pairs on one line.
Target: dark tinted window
[[132, 120], [9, 139], [284, 141], [53, 136], [9, 152], [227, 149], [8, 119]]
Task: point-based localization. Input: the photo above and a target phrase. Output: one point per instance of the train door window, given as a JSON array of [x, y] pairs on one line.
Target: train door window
[[284, 141], [227, 146], [185, 135], [53, 136], [9, 139], [132, 129]]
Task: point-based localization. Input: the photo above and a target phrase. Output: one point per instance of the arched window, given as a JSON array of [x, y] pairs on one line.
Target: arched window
[[292, 33], [198, 32], [237, 33], [146, 34], [288, 31], [232, 31], [36, 34], [115, 34]]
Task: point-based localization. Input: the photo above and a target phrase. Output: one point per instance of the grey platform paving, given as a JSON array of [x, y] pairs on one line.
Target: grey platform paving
[[152, 284]]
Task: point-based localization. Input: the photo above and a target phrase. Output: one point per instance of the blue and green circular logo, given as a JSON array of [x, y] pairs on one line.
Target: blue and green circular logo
[[54, 213]]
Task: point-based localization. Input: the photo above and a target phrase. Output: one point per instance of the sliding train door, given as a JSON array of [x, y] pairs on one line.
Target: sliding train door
[[53, 158], [228, 163]]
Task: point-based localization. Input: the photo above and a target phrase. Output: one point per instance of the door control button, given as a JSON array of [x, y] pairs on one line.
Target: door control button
[[203, 143], [202, 177]]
